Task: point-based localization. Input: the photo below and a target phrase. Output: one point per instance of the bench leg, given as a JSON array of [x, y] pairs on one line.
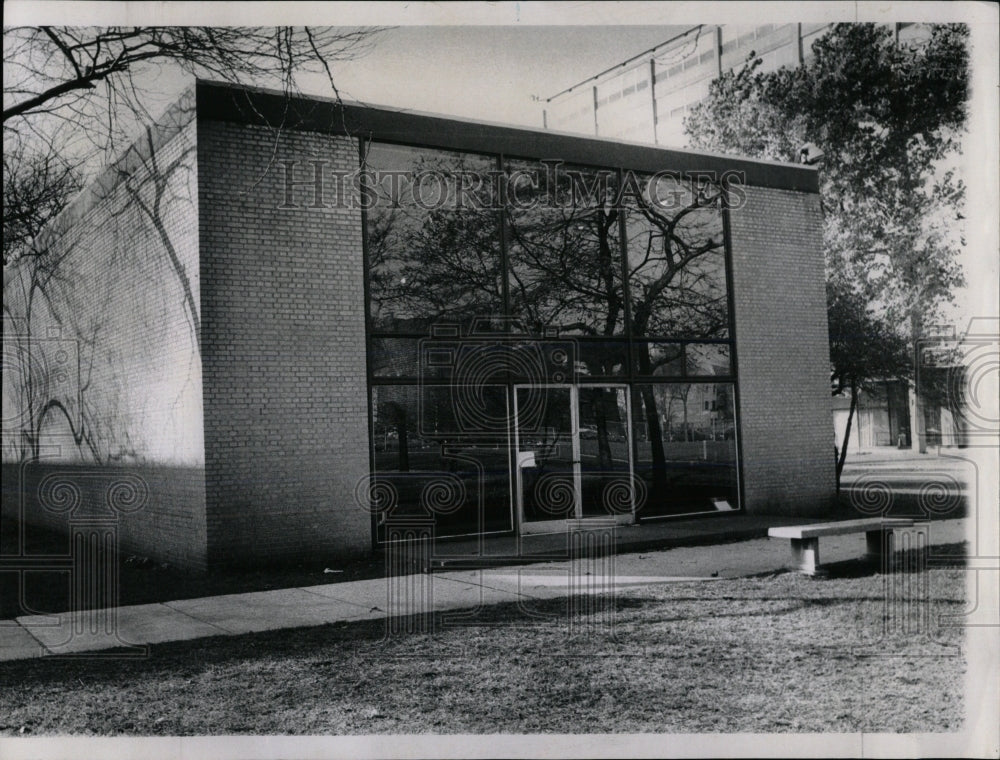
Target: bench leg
[[805, 555], [878, 545]]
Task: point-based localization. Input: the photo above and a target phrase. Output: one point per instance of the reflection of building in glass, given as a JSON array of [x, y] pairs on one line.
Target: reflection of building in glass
[[646, 98], [373, 316]]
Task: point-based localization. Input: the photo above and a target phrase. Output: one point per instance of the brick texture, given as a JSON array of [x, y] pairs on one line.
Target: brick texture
[[783, 354], [167, 522], [226, 370], [108, 345], [284, 345]]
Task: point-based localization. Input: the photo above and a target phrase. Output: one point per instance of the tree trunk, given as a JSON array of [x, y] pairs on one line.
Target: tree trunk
[[917, 434], [687, 433], [601, 420], [658, 492], [847, 434]]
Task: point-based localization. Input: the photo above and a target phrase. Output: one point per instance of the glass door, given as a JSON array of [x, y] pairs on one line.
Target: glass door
[[548, 454], [606, 485], [574, 455]]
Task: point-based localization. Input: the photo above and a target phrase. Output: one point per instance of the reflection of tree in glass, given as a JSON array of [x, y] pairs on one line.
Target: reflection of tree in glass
[[562, 231], [603, 407], [678, 393], [676, 261], [676, 273], [433, 240], [564, 252]]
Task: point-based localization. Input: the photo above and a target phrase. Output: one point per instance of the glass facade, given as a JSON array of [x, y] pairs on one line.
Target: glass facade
[[676, 259], [432, 239], [564, 254], [546, 341]]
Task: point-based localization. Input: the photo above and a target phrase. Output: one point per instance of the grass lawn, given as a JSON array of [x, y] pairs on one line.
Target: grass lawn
[[779, 653]]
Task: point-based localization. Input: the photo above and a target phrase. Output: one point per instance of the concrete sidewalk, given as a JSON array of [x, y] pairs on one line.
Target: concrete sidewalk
[[936, 458], [135, 627], [950, 473]]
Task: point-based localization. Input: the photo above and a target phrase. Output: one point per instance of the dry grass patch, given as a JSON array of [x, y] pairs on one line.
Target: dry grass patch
[[777, 653]]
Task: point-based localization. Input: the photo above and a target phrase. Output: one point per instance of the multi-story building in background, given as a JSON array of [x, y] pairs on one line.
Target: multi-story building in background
[[646, 98]]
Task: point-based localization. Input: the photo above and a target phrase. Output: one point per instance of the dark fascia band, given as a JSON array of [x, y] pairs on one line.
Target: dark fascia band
[[224, 102]]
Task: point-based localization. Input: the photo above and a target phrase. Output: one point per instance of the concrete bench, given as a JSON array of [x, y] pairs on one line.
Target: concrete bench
[[805, 538]]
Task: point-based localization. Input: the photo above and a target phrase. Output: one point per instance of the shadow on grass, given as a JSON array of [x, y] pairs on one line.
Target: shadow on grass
[[906, 562], [195, 655], [372, 637]]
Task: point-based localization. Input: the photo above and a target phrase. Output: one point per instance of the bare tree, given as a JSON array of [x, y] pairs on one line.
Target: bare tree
[[75, 98], [58, 70], [36, 188]]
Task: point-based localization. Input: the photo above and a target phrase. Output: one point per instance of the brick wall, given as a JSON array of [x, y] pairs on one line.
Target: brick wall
[[783, 352], [217, 351], [286, 434], [107, 371], [157, 510]]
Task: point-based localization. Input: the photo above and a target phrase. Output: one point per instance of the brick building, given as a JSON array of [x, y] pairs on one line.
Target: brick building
[[646, 98], [277, 325]]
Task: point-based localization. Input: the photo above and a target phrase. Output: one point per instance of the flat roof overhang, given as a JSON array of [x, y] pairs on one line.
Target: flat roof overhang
[[274, 109]]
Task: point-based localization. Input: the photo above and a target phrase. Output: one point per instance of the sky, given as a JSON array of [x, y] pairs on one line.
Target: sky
[[494, 61], [476, 60], [492, 73]]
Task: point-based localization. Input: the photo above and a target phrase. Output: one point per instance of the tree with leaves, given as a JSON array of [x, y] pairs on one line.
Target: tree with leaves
[[888, 119], [864, 350]]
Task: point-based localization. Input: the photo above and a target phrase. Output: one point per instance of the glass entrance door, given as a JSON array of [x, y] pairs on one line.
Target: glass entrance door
[[606, 486], [574, 454]]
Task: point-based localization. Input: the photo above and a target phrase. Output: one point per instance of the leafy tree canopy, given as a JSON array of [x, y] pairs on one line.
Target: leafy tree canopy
[[888, 119]]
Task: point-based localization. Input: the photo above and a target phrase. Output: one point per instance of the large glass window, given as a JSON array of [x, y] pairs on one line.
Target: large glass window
[[600, 358], [433, 238], [564, 249], [660, 358], [676, 259], [685, 437], [485, 283], [441, 453]]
